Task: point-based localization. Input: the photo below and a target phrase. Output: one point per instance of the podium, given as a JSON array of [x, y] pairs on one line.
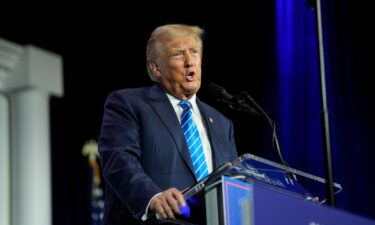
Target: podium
[[254, 191]]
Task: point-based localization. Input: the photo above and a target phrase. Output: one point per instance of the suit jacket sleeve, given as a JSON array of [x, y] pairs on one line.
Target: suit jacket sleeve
[[120, 152]]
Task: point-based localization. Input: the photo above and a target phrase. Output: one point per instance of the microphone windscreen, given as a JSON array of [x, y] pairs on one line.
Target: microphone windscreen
[[215, 91], [219, 92]]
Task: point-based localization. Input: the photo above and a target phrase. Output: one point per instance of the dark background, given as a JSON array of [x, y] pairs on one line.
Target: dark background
[[103, 49]]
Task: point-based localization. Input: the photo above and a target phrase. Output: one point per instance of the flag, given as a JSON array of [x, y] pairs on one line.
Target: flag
[[90, 150]]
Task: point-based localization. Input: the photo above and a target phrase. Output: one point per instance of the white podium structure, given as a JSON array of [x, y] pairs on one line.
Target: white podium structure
[[28, 77]]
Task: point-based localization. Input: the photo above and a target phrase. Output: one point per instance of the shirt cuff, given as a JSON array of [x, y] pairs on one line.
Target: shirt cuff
[[148, 214]]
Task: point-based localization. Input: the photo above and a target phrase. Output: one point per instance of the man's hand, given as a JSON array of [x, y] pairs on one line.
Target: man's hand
[[167, 203]]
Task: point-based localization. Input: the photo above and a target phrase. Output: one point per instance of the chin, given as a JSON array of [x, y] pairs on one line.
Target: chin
[[191, 91], [195, 85]]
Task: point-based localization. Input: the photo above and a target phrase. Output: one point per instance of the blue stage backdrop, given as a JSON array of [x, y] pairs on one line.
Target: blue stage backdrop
[[350, 99]]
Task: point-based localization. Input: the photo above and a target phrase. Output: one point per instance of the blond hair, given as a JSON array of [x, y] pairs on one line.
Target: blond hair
[[163, 34]]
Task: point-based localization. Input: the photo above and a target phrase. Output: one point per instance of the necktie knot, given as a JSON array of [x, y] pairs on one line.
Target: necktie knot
[[185, 104]]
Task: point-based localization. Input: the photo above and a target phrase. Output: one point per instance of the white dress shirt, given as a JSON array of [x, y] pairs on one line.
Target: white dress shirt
[[197, 117]]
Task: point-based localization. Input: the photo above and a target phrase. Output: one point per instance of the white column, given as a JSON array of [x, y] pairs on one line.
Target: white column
[[31, 169], [4, 161], [29, 75]]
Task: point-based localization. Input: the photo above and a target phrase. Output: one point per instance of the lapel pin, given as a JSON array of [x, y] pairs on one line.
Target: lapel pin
[[211, 120]]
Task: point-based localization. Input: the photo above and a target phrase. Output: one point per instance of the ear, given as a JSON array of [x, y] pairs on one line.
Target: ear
[[155, 69]]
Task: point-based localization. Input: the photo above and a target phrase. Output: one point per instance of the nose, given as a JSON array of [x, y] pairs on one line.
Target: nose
[[188, 60], [188, 63]]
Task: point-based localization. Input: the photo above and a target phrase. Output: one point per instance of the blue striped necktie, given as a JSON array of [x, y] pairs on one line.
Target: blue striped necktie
[[193, 140]]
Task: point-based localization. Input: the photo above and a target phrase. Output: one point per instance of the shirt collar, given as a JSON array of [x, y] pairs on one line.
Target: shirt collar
[[175, 101]]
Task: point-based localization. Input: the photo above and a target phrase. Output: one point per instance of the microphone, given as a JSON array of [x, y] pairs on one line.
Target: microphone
[[219, 91], [234, 102], [238, 103]]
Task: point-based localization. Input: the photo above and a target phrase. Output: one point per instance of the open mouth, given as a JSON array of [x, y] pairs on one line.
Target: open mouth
[[190, 76]]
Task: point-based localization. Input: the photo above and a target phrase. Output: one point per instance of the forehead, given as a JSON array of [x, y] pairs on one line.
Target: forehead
[[181, 42]]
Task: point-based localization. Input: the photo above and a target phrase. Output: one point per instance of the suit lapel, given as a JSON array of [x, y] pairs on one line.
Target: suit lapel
[[209, 122], [163, 108]]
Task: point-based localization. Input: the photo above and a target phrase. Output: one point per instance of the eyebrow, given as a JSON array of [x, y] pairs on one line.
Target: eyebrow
[[182, 50]]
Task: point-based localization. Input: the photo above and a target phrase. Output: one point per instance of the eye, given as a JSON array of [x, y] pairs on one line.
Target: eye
[[175, 54], [195, 51]]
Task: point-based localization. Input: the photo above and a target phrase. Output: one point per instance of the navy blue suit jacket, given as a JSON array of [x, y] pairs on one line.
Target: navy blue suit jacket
[[143, 150]]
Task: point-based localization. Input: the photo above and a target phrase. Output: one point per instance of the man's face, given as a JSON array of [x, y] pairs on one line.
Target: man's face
[[179, 67]]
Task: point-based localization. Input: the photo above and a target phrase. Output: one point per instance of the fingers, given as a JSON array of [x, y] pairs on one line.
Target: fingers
[[180, 199], [167, 203]]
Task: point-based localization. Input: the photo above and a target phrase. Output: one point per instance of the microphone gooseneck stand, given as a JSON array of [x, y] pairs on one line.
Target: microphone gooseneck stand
[[316, 5], [238, 102], [263, 114]]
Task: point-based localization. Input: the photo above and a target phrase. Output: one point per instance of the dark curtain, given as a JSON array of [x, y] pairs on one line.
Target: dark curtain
[[350, 92]]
